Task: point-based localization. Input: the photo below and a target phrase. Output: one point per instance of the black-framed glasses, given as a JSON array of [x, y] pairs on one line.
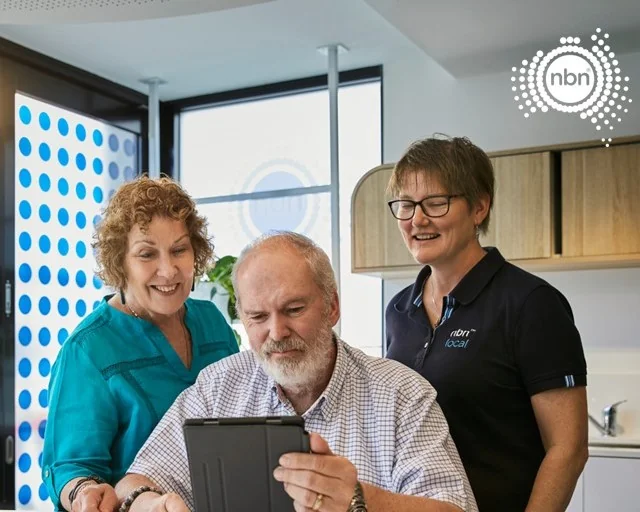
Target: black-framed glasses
[[432, 206]]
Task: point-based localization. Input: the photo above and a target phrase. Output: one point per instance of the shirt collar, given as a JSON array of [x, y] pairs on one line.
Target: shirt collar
[[467, 289], [327, 402]]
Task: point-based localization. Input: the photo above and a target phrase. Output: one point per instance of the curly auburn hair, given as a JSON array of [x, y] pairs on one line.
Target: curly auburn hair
[[137, 202]]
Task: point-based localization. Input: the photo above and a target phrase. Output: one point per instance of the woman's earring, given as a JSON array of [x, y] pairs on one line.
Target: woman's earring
[[122, 296], [478, 232], [193, 285]]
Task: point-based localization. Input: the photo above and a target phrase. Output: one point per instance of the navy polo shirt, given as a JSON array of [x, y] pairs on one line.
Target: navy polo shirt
[[504, 336]]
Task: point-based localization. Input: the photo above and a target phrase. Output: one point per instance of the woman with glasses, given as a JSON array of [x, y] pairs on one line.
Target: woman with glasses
[[498, 343]]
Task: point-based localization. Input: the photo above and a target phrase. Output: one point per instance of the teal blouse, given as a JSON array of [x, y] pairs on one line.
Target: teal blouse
[[114, 378]]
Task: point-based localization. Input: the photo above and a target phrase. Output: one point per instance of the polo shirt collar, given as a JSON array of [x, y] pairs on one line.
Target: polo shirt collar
[[478, 277]]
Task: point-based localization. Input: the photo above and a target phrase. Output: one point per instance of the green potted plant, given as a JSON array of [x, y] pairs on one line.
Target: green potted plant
[[219, 275]]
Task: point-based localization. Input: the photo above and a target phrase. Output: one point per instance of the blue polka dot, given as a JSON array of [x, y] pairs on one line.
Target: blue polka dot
[[63, 245], [44, 151], [24, 462], [24, 495], [114, 143], [81, 161], [63, 277], [81, 191], [63, 127], [45, 182], [63, 157], [24, 336], [43, 493], [81, 220], [44, 274], [45, 213], [97, 137], [24, 146], [25, 114], [97, 166], [111, 192], [24, 272], [24, 399], [81, 279], [40, 461], [96, 220], [96, 304], [24, 240], [63, 218], [63, 334], [44, 367], [43, 398], [45, 244], [129, 173], [114, 171], [97, 195], [44, 305], [129, 147], [81, 249], [97, 283], [81, 132], [42, 427], [24, 304], [63, 186], [63, 307], [24, 431], [45, 121], [25, 178], [25, 209], [24, 368], [44, 336], [81, 308]]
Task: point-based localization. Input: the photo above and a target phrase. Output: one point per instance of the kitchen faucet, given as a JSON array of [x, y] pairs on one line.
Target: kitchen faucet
[[609, 427]]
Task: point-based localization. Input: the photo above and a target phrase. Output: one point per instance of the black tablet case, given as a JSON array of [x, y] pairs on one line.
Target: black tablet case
[[231, 462]]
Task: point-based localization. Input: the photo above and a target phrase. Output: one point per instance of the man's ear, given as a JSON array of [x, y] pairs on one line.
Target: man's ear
[[334, 309]]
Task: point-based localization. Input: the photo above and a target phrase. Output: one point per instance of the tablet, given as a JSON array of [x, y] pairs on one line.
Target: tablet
[[231, 461]]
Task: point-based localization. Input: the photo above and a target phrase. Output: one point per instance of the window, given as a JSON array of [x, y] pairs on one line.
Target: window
[[264, 164]]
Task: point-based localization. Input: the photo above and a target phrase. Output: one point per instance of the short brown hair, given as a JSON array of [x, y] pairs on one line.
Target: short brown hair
[[458, 164], [137, 202]]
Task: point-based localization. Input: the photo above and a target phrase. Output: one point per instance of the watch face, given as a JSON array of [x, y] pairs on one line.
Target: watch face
[[358, 508]]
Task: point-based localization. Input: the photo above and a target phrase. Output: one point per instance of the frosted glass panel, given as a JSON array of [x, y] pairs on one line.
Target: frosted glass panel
[[67, 166]]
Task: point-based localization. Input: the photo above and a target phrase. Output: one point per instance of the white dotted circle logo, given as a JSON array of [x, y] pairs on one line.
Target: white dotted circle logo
[[574, 79]]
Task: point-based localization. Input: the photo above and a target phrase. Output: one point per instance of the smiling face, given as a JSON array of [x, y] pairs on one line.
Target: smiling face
[[434, 241], [159, 265], [288, 320]]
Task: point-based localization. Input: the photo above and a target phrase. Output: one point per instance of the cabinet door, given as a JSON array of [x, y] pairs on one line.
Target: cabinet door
[[522, 217], [601, 201], [376, 239], [611, 484], [577, 500]]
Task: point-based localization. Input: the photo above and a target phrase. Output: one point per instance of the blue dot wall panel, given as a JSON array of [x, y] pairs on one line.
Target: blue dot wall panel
[[67, 166]]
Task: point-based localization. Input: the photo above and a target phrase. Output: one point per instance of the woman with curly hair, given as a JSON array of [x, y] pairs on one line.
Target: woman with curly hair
[[126, 362]]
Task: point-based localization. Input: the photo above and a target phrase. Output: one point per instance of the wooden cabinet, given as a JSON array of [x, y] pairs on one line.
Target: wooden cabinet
[[601, 201], [522, 217], [377, 244]]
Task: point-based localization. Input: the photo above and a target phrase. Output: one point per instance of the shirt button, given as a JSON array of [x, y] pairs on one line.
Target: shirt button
[[46, 473]]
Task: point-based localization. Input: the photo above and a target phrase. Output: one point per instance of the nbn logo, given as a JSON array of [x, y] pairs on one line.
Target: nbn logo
[[568, 78], [459, 338]]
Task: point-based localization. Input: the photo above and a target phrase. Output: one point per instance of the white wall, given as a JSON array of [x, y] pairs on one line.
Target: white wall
[[420, 98]]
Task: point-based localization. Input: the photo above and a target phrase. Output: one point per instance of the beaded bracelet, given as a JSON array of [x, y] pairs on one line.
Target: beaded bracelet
[[126, 504], [80, 484]]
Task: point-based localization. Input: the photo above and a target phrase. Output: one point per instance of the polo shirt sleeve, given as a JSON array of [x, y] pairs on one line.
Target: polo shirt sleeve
[[163, 457], [548, 349], [426, 460], [81, 424]]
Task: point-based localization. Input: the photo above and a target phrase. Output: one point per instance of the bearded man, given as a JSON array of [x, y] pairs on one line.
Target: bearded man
[[378, 436]]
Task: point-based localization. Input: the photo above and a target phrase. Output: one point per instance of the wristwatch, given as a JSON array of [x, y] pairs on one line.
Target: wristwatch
[[357, 502]]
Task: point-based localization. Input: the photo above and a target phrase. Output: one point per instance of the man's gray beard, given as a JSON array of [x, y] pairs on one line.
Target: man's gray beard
[[303, 373]]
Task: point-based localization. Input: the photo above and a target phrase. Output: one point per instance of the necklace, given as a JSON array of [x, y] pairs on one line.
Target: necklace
[[435, 306], [132, 311]]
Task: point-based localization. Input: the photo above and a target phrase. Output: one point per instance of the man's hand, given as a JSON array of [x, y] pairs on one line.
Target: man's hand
[[319, 480], [152, 502], [95, 498]]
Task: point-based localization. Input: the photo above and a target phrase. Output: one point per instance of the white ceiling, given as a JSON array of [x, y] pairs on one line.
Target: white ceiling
[[203, 46]]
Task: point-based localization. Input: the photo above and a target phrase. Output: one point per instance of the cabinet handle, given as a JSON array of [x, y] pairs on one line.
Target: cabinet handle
[[8, 450], [7, 298]]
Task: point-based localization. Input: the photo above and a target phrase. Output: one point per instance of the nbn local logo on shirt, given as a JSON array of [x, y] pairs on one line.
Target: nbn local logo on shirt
[[459, 338]]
